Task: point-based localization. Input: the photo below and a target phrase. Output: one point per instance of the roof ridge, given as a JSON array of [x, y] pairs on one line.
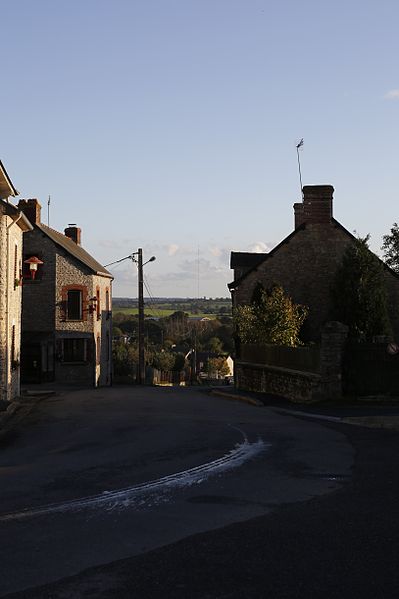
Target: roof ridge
[[75, 250]]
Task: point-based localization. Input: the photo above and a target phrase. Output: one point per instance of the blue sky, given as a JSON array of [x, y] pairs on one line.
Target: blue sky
[[171, 124]]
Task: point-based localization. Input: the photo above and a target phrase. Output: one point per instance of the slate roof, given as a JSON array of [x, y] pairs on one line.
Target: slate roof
[[246, 259], [74, 250]]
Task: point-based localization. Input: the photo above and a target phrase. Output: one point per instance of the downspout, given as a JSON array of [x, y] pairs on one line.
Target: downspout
[[14, 222]]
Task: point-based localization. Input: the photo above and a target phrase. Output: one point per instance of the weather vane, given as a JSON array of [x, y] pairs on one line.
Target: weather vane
[[299, 145]]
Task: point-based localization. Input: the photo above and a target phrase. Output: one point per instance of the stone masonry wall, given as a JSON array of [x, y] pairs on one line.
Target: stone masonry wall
[[299, 385], [3, 328], [103, 330], [304, 267], [38, 303], [292, 384], [10, 307]]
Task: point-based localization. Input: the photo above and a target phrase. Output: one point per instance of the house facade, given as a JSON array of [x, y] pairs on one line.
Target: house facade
[[66, 310], [305, 263], [13, 224]]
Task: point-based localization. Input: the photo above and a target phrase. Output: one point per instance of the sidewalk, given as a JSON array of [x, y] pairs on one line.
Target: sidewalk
[[373, 413], [14, 411]]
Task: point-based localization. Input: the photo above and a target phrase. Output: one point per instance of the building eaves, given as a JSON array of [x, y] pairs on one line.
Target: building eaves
[[75, 250], [7, 188], [18, 217]]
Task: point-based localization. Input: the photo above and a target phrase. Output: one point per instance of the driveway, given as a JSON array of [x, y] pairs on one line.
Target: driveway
[[95, 476]]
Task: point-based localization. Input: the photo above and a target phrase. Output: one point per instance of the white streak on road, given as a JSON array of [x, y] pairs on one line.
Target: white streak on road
[[139, 495]]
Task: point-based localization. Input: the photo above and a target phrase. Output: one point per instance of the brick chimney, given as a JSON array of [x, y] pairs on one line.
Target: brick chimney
[[74, 233], [32, 210], [317, 205], [299, 217]]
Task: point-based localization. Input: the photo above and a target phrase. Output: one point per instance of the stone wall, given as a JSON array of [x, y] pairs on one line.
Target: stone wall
[[39, 302], [304, 266], [298, 385], [291, 384], [10, 307], [96, 321], [44, 313]]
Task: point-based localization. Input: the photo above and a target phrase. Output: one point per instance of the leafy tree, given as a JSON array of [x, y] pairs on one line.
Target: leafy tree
[[217, 366], [116, 331], [163, 360], [273, 318], [125, 359], [390, 247], [359, 295]]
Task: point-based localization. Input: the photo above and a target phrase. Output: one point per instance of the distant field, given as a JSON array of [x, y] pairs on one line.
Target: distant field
[[160, 312]]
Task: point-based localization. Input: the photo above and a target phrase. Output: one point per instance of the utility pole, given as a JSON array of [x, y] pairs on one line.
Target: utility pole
[[139, 262], [141, 317]]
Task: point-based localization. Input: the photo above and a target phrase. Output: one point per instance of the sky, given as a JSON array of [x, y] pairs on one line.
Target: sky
[[171, 125]]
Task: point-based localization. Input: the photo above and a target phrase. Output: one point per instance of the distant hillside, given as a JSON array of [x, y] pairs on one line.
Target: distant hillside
[[216, 306]]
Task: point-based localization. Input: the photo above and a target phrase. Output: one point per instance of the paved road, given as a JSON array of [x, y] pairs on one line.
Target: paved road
[[98, 476]]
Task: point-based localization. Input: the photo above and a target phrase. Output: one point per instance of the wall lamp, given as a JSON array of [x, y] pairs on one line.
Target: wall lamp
[[33, 264]]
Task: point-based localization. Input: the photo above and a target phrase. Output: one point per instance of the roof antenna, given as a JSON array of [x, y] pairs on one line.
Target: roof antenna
[[299, 145], [48, 212]]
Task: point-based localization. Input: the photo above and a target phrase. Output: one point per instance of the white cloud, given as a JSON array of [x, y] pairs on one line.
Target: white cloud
[[392, 95], [172, 249], [215, 251], [259, 247]]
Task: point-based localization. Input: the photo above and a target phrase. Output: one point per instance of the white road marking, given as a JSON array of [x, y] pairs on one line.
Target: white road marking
[[138, 495]]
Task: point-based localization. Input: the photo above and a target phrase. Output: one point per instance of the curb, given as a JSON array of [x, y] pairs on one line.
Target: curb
[[386, 422], [244, 398]]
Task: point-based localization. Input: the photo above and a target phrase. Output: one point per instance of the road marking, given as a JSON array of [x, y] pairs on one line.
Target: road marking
[[139, 495]]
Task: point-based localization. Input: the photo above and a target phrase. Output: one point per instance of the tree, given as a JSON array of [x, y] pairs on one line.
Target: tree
[[215, 345], [273, 318], [390, 247], [217, 366], [163, 360], [359, 295], [125, 359]]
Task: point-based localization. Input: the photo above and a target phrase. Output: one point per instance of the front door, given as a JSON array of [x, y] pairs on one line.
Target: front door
[[31, 363]]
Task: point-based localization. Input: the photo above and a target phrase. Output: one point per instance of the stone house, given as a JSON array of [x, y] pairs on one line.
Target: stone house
[[13, 224], [66, 312], [305, 263]]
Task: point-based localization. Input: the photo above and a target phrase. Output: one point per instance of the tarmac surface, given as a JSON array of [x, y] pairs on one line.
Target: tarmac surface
[[343, 544]]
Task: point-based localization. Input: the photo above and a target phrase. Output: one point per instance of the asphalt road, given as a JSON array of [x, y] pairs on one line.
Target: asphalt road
[[266, 505]]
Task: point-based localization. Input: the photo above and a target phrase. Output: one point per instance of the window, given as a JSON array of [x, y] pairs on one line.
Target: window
[[74, 305], [98, 303], [16, 279], [107, 302], [13, 355], [74, 350], [98, 349]]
